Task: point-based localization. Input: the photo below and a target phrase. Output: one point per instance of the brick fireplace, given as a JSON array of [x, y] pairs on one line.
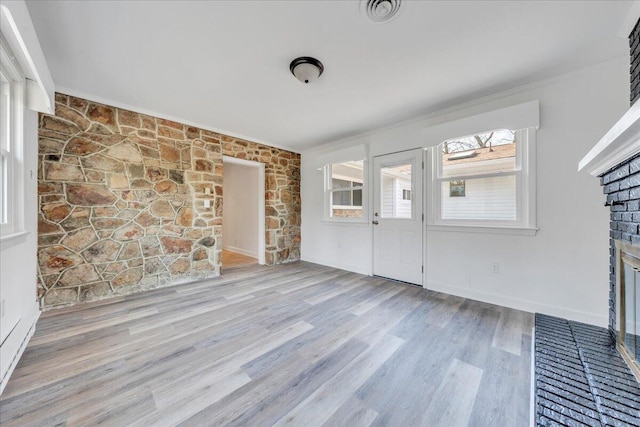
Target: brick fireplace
[[580, 376], [622, 187], [621, 184]]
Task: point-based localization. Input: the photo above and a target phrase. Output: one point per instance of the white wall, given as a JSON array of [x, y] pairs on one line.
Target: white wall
[[563, 269], [18, 261], [18, 264], [240, 215]]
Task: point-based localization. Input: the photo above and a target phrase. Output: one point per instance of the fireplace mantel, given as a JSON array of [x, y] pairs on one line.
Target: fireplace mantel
[[620, 143]]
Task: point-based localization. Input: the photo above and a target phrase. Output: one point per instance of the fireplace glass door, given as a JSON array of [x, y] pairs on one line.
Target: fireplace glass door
[[632, 303], [628, 305]]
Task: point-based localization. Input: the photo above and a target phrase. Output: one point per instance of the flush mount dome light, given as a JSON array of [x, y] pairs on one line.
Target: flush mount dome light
[[306, 69], [380, 11]]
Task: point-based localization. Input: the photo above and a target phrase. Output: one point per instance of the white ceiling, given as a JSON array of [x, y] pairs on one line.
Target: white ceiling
[[225, 64]]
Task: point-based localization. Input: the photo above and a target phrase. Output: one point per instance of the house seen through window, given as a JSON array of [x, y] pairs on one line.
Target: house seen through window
[[478, 176], [396, 186]]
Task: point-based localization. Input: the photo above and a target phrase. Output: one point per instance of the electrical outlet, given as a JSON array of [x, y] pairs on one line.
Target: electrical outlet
[[207, 203], [496, 267]]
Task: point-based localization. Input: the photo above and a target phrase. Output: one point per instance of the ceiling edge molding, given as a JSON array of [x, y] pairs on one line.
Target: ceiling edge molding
[[136, 109], [630, 21], [456, 108]]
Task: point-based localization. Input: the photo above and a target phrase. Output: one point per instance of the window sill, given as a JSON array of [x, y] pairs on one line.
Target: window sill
[[5, 239], [358, 223], [516, 231]]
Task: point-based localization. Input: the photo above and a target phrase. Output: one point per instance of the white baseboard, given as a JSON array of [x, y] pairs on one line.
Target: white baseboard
[[491, 298], [15, 344], [532, 398], [520, 304], [338, 265], [241, 251]]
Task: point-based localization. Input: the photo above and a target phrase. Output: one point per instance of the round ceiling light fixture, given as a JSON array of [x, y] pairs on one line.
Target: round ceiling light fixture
[[306, 69], [380, 11]]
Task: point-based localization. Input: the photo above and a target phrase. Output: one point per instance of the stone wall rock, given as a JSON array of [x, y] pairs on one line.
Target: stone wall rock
[[122, 202]]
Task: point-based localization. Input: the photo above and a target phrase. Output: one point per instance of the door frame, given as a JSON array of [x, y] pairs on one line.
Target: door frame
[[423, 206], [261, 201]]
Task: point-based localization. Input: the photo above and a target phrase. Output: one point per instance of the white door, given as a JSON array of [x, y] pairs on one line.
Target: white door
[[397, 216]]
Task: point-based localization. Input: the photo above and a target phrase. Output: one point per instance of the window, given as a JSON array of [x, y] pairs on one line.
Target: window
[[486, 179], [344, 186], [11, 101], [5, 149]]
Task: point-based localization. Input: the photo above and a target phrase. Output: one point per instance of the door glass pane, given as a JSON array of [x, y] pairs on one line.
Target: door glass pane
[[395, 181]]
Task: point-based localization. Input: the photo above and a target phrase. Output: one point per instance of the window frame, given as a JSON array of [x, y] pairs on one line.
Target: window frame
[[12, 220], [351, 189], [525, 173], [329, 190]]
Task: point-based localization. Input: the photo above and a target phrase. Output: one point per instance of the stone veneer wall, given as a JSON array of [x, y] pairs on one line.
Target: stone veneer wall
[[121, 199]]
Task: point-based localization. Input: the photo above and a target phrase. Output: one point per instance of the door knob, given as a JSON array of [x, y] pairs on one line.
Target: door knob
[[374, 222]]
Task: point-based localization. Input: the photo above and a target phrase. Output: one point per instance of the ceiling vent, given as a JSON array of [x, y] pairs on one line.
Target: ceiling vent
[[380, 11]]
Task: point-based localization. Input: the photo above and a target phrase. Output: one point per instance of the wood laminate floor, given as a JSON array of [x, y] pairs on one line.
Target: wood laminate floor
[[232, 259], [296, 344]]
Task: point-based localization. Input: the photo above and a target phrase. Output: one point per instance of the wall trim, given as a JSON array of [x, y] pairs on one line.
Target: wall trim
[[21, 36], [338, 265], [462, 108], [18, 339], [519, 304], [630, 21], [240, 251], [487, 297]]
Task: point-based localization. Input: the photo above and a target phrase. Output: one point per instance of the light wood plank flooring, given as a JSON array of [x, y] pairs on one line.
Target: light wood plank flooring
[[232, 259], [296, 344]]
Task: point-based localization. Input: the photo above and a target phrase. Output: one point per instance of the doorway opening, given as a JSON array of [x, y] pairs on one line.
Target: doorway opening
[[243, 228]]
